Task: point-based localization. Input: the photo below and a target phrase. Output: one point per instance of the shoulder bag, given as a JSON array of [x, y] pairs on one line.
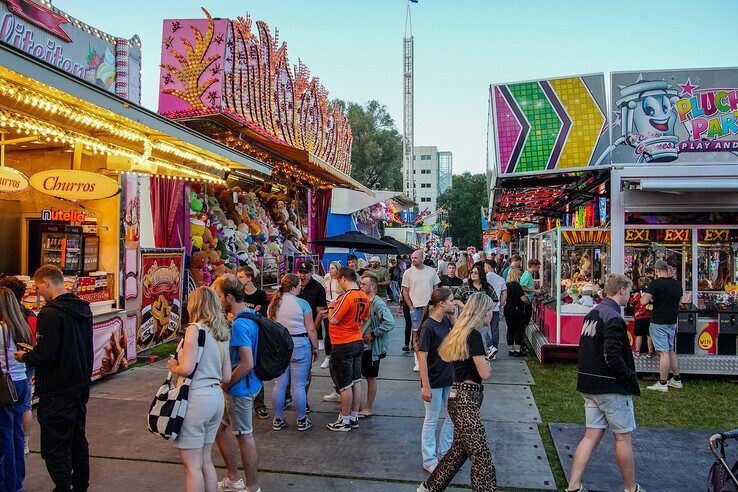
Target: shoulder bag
[[167, 410], [8, 395]]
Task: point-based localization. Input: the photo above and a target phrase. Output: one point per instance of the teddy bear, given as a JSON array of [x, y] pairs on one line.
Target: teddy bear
[[283, 215], [293, 229], [199, 269], [197, 231]]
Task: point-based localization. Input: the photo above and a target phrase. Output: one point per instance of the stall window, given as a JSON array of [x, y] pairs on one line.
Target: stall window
[[644, 247], [717, 269]]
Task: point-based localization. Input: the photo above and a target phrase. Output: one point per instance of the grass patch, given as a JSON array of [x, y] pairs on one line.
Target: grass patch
[[164, 350], [706, 402]]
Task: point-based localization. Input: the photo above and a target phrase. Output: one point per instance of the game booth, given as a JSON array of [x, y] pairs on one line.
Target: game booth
[[215, 80], [658, 180], [95, 184]]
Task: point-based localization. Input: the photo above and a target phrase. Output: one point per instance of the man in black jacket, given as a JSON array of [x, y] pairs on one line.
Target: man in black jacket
[[63, 361], [608, 381]]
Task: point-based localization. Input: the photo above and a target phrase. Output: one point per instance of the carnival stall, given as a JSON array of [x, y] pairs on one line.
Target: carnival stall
[[574, 263], [88, 178], [224, 81], [671, 176]]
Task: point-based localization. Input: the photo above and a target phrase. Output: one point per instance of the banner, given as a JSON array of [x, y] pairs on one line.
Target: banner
[[109, 344], [546, 125], [675, 115], [161, 296]]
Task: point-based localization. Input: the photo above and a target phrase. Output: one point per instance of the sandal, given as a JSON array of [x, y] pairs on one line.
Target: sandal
[[364, 415]]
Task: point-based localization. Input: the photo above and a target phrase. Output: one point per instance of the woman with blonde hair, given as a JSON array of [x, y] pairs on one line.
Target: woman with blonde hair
[[208, 368], [296, 315], [462, 266], [464, 346], [332, 291], [13, 330]]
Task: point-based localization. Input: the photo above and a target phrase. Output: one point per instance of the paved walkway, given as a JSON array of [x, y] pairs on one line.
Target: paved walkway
[[383, 455]]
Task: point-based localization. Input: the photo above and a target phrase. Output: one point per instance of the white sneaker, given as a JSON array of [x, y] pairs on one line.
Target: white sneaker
[[657, 386], [332, 397], [674, 383], [492, 353], [326, 361], [416, 368], [227, 484], [430, 468], [422, 487]]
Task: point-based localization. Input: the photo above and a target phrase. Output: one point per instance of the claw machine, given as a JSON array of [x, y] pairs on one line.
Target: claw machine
[[574, 265]]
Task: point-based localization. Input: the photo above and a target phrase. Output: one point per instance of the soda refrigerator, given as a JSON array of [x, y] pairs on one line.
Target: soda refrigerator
[[61, 246], [90, 253]]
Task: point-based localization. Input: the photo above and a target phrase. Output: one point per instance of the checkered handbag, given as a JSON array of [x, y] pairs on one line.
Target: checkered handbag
[[167, 410]]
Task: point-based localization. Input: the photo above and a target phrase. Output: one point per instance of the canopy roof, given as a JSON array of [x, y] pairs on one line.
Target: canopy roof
[[345, 201], [44, 100]]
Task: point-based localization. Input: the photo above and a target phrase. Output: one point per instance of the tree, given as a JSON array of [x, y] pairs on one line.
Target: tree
[[376, 156], [463, 201]]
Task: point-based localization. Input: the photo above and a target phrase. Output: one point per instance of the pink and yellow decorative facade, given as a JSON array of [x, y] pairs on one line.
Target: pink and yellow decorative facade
[[220, 68]]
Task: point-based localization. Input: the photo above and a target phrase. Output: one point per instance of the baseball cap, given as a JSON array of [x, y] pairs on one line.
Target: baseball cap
[[661, 265], [375, 259], [306, 266]]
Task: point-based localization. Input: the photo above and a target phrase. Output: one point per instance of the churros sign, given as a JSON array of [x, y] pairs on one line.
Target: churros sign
[[12, 180], [74, 185]]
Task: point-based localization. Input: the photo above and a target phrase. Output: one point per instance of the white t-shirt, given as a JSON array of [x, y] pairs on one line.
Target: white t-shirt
[[497, 283], [442, 265], [291, 314], [420, 284]]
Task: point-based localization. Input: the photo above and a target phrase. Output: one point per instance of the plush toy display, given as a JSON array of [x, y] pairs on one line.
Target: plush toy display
[[199, 269]]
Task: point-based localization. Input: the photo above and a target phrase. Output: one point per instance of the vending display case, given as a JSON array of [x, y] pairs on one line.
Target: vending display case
[[61, 245], [574, 262], [90, 253]]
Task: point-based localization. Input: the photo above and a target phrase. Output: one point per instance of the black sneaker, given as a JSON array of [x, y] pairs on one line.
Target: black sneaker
[[307, 408], [406, 349], [278, 424], [304, 424], [512, 353], [262, 413], [354, 423], [288, 402], [339, 426]]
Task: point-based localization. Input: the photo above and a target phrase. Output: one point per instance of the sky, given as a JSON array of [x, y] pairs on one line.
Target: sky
[[461, 47]]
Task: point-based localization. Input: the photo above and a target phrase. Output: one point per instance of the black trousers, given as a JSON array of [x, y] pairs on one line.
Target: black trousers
[[64, 447], [408, 322], [515, 320], [325, 327]]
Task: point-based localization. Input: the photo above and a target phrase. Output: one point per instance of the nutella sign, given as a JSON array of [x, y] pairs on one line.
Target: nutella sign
[[74, 185]]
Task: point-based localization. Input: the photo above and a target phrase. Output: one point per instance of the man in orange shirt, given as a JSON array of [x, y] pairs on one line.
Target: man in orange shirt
[[349, 312]]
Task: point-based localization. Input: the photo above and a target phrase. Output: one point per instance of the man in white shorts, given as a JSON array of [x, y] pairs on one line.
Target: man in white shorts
[[607, 379]]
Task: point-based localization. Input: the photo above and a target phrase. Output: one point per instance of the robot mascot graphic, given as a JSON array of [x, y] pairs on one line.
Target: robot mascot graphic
[[648, 121]]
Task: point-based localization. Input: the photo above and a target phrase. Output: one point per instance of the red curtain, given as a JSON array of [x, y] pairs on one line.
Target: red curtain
[[318, 203], [166, 207]]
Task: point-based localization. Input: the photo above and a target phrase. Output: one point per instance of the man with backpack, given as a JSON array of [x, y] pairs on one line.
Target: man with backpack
[[242, 388]]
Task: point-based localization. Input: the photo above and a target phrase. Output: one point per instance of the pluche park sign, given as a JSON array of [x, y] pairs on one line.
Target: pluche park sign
[[74, 185]]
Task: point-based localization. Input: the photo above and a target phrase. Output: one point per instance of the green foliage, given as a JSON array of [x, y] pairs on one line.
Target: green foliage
[[463, 201], [376, 156]]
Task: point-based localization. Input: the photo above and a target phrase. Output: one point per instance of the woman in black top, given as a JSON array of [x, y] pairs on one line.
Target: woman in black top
[[464, 347], [515, 313], [477, 282]]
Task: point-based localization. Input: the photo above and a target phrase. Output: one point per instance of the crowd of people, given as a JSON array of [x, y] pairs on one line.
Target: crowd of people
[[452, 309]]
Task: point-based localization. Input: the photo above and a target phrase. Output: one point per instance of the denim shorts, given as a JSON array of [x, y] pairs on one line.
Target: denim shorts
[[238, 414], [610, 410], [30, 371], [663, 337], [345, 364]]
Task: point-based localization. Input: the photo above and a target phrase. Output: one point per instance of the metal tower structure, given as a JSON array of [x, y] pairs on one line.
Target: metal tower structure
[[408, 115]]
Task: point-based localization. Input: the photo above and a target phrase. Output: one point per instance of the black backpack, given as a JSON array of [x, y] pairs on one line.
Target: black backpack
[[273, 349]]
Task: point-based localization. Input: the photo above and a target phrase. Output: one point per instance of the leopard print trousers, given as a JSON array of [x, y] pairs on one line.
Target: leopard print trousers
[[470, 441]]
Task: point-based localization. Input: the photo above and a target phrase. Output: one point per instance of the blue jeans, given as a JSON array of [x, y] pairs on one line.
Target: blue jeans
[[394, 290], [415, 315], [12, 461], [428, 437], [491, 333], [296, 376]]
